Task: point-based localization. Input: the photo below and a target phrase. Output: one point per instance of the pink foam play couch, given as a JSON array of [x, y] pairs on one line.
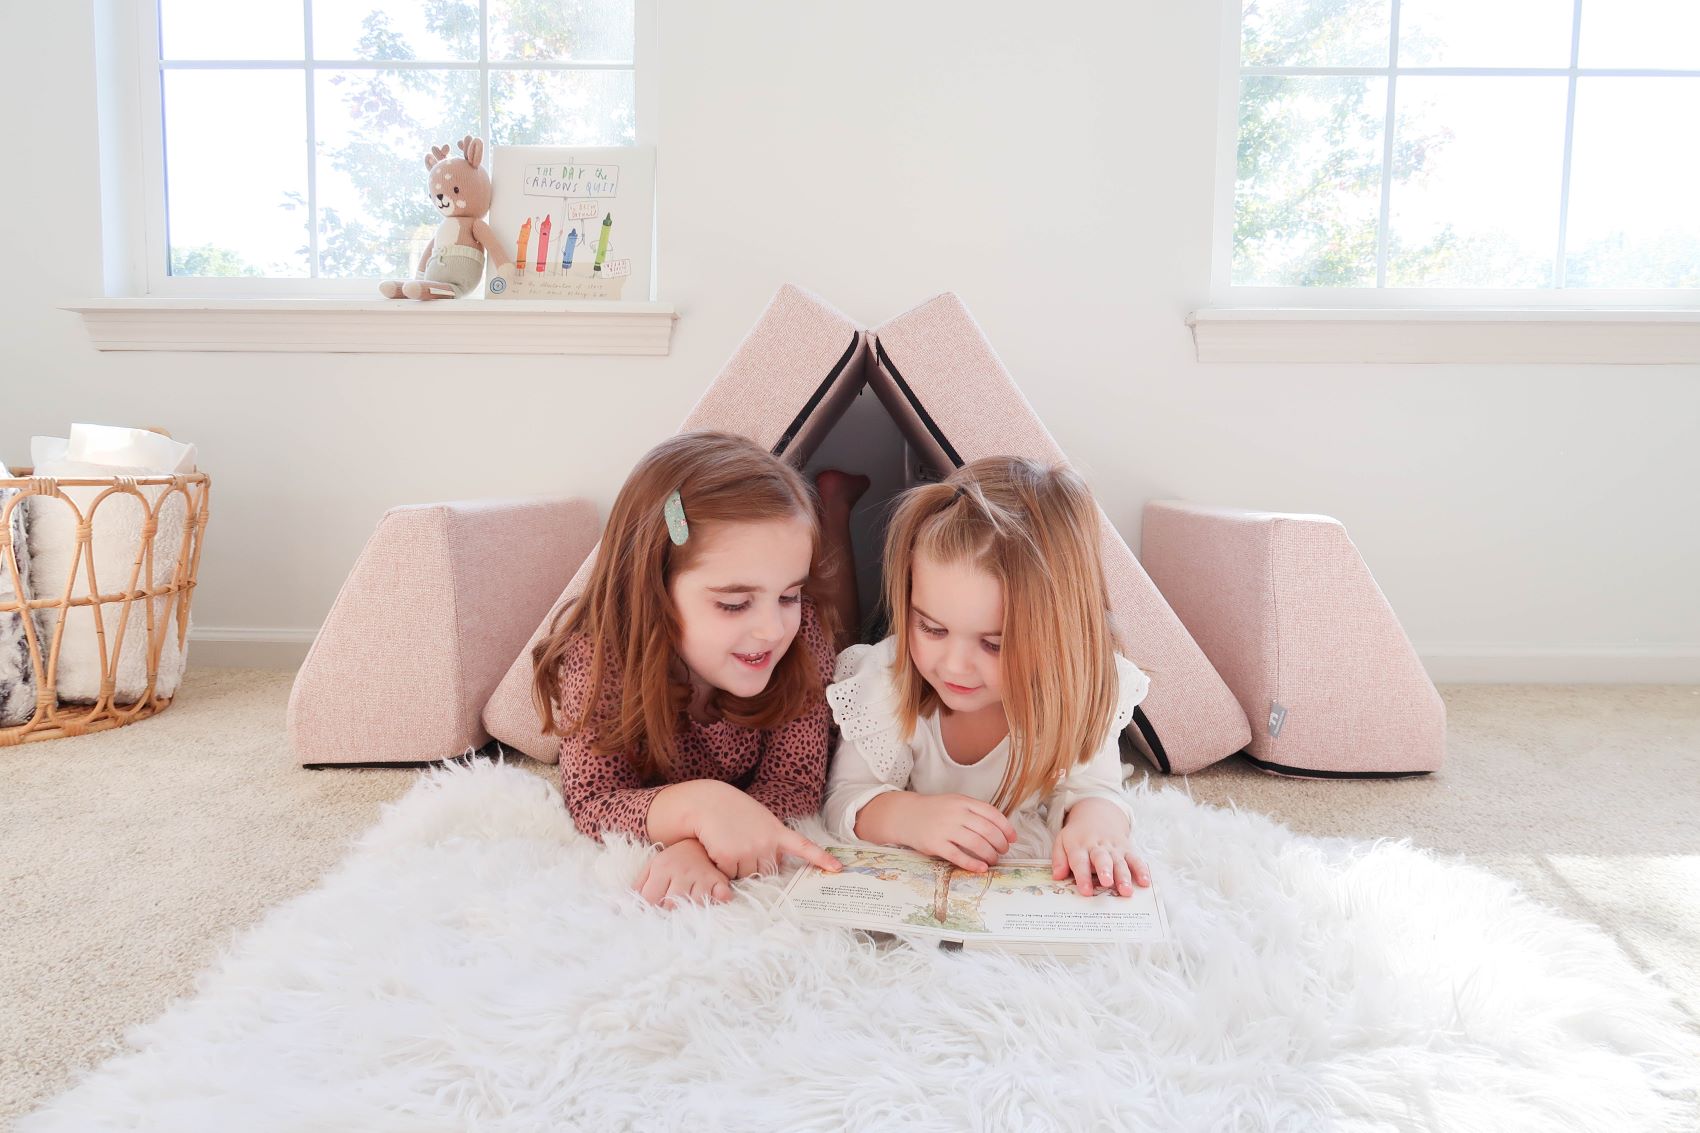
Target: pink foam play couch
[[440, 686], [933, 370], [1261, 632]]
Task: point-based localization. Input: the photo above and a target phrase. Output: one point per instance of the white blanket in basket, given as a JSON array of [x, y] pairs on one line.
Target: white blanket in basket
[[102, 451]]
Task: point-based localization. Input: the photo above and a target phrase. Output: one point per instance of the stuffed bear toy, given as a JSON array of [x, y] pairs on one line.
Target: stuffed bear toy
[[453, 263]]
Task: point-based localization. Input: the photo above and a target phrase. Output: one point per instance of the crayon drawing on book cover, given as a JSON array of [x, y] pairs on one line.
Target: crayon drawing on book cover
[[576, 221]]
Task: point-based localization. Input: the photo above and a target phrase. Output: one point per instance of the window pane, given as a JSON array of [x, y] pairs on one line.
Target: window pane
[[1308, 191], [1477, 164], [375, 128], [1641, 33], [438, 31], [599, 32], [204, 29], [1632, 177], [1305, 33], [1469, 33], [236, 172], [564, 108]]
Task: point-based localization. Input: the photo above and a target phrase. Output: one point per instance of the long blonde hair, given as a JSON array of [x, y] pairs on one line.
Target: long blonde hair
[[1035, 529], [627, 614]]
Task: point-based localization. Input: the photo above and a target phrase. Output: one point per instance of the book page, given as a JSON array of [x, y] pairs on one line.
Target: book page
[[1017, 900]]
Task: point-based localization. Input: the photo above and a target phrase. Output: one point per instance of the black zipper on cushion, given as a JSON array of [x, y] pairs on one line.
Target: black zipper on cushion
[[798, 421], [915, 404], [1282, 769], [1151, 740], [491, 751]]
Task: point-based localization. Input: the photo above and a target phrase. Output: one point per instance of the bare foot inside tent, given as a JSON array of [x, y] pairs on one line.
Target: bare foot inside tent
[[838, 492]]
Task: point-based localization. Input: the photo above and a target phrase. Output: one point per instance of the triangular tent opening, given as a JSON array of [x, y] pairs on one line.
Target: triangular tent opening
[[946, 400], [867, 440]]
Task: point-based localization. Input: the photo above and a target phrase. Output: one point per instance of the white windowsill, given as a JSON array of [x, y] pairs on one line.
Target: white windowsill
[[377, 326], [1272, 334]]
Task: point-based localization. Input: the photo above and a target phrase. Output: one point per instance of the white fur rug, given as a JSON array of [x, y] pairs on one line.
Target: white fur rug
[[475, 965]]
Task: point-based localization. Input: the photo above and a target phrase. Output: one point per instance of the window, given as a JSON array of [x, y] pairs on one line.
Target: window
[[1449, 151], [283, 149]]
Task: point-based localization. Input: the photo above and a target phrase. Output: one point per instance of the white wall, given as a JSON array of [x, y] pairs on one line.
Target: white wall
[[1526, 522]]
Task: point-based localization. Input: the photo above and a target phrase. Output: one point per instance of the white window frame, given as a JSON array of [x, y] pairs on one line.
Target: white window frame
[[1425, 324], [133, 149]]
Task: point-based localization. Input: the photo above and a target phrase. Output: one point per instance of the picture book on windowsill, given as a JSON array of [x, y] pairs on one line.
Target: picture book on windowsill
[[575, 220]]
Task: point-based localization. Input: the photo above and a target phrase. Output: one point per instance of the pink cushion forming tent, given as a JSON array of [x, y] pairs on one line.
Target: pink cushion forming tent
[[938, 377], [425, 653]]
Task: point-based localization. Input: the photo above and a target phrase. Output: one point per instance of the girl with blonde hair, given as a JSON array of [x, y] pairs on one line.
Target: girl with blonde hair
[[999, 694]]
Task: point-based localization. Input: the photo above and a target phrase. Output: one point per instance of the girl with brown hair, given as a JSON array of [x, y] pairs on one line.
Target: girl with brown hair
[[687, 681], [999, 691]]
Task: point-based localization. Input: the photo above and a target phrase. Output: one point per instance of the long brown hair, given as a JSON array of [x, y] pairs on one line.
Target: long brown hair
[[1035, 529], [626, 613]]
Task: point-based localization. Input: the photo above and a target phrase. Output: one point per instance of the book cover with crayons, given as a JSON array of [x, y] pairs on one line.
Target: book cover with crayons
[[576, 222]]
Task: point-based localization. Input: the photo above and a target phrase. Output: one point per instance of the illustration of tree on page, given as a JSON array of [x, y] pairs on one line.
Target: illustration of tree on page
[[1015, 906], [577, 221]]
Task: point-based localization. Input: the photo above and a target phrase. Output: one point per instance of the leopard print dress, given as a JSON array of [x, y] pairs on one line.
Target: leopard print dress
[[783, 768]]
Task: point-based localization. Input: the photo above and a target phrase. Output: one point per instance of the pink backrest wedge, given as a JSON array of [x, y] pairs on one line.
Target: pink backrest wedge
[[1288, 613]]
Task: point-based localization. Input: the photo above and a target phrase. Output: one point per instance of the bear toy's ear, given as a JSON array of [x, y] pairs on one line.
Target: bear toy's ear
[[437, 154]]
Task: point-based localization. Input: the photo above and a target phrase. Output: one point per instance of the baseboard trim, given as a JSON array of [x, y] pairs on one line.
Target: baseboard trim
[[249, 647], [1561, 664]]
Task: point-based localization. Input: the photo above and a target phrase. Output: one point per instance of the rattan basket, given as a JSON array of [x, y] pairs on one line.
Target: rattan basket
[[165, 603]]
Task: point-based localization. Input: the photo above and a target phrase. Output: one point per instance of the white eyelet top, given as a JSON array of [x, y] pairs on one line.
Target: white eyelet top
[[873, 757]]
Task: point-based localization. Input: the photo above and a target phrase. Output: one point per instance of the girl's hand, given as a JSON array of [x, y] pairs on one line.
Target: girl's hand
[[743, 838], [1093, 845], [682, 872], [963, 831]]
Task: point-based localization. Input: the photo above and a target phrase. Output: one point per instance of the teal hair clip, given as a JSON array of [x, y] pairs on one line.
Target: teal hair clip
[[674, 511]]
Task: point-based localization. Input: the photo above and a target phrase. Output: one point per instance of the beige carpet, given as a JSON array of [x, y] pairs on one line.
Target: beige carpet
[[130, 857]]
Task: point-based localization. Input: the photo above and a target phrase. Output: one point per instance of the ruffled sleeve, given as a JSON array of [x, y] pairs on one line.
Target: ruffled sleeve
[[1101, 776], [1133, 685], [872, 756]]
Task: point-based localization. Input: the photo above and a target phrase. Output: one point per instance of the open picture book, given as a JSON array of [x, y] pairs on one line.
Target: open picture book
[[1016, 906]]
